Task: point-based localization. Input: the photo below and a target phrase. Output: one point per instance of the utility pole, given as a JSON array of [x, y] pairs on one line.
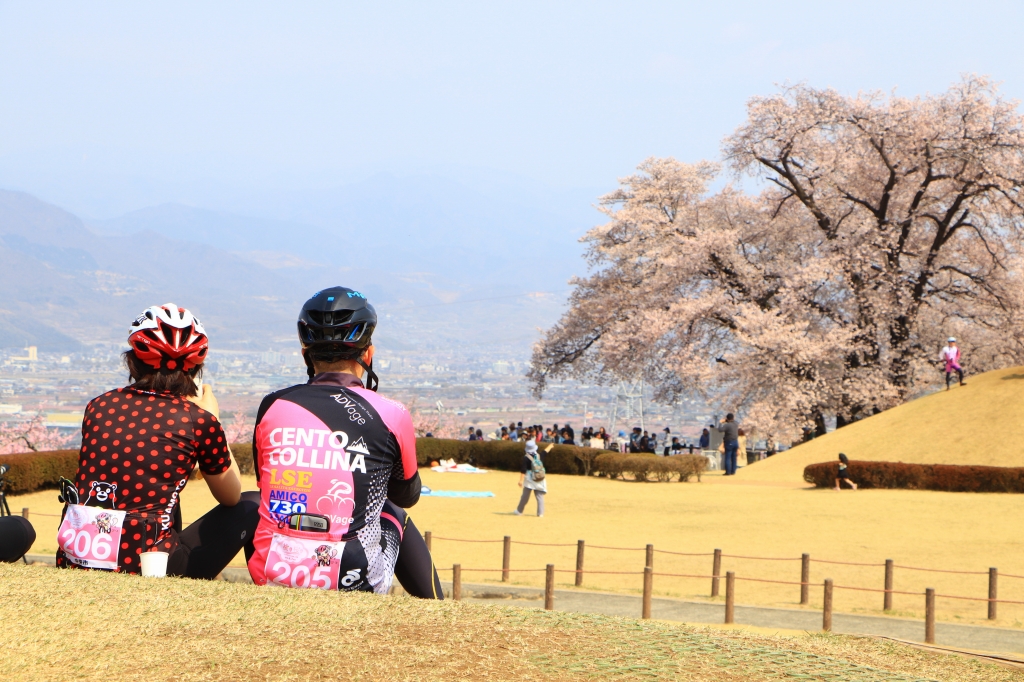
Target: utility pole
[[629, 404]]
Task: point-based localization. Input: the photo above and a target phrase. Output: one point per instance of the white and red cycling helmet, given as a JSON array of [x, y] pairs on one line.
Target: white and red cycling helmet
[[167, 337]]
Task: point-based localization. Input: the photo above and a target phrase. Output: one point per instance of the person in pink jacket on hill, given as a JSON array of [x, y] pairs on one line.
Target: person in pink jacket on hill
[[951, 356]]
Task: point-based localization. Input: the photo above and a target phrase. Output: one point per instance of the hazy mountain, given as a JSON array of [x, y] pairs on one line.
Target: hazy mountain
[[63, 283], [466, 235]]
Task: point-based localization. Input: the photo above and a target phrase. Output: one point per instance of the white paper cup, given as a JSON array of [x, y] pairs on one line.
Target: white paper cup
[[154, 564]]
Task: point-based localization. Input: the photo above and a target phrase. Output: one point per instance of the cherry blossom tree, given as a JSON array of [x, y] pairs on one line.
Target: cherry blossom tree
[[240, 429], [32, 436], [887, 224], [437, 423]]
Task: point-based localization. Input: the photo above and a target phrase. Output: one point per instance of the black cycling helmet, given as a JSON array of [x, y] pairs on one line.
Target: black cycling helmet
[[337, 324]]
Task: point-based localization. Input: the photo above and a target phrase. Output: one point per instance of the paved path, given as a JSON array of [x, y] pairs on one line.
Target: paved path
[[976, 637]]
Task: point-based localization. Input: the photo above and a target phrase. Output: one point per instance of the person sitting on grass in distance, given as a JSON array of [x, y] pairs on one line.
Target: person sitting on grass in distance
[[844, 474], [139, 445], [336, 465]]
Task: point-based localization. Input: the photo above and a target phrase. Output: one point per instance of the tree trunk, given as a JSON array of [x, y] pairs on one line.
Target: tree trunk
[[820, 429]]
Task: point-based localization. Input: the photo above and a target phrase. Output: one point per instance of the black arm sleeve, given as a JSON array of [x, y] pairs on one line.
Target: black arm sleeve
[[405, 494]]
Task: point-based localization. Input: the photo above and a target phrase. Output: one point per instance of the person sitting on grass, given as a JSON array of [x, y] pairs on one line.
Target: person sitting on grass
[[336, 466], [140, 443], [844, 474]]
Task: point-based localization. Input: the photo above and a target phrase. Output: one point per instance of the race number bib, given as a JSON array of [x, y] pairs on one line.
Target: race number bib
[[304, 562], [91, 536]]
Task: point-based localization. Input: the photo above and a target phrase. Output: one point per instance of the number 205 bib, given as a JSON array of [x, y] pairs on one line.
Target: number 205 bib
[[304, 562], [91, 536]]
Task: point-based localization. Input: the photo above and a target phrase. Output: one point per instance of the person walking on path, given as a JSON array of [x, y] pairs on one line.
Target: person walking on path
[[532, 476], [730, 439], [844, 474], [950, 355]]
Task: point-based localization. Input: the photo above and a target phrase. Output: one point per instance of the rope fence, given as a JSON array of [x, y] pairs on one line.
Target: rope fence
[[665, 551], [846, 563], [730, 591], [940, 570], [730, 577], [716, 576]]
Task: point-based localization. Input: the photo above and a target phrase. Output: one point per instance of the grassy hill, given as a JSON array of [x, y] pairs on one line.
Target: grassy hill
[[67, 624], [979, 423]]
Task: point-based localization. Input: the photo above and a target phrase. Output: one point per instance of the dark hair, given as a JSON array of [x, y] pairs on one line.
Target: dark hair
[[843, 458], [146, 378], [729, 417]]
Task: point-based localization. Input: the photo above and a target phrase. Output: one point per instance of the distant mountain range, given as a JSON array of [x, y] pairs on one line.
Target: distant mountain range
[[449, 263]]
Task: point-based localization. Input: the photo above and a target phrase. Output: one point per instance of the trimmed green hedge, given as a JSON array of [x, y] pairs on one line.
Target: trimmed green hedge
[[504, 455], [641, 466], [243, 455], [942, 477], [31, 471]]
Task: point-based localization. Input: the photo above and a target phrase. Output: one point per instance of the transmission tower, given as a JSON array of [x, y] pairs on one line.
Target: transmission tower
[[629, 404]]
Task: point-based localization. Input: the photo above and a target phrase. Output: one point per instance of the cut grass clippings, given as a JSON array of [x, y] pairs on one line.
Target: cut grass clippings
[[83, 625]]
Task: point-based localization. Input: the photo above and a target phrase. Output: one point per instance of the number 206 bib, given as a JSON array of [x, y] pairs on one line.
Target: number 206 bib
[[304, 562], [91, 536]]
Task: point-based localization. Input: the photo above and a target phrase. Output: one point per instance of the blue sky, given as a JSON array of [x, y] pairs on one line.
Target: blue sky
[[107, 107]]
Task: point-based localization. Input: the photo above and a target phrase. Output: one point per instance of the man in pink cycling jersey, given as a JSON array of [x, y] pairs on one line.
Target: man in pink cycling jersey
[[336, 465]]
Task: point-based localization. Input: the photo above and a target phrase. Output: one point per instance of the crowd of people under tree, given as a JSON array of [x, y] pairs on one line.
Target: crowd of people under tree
[[638, 441]]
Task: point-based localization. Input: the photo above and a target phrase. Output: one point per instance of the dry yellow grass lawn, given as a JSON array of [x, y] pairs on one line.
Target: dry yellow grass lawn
[[929, 529], [96, 626], [979, 423]]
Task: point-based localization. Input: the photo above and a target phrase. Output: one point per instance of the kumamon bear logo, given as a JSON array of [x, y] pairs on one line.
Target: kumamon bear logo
[[102, 494]]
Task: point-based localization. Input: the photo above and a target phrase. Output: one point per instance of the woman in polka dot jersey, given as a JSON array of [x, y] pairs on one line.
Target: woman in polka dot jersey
[[141, 442]]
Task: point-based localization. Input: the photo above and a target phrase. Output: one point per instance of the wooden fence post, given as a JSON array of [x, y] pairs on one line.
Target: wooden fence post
[[506, 557], [457, 582], [648, 587], [427, 538], [887, 601], [579, 563], [716, 570], [730, 596], [826, 612], [929, 616], [805, 578], [650, 556], [993, 579], [24, 512], [549, 588]]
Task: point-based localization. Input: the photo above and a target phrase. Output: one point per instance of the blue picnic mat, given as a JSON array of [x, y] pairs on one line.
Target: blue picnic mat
[[456, 493]]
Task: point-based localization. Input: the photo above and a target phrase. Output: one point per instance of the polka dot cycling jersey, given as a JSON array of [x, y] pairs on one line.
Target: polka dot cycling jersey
[[138, 449]]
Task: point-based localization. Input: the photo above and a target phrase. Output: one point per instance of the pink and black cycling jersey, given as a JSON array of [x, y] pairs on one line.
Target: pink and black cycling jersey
[[333, 448]]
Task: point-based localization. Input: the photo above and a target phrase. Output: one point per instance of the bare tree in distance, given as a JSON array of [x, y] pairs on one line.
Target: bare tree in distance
[[887, 224]]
